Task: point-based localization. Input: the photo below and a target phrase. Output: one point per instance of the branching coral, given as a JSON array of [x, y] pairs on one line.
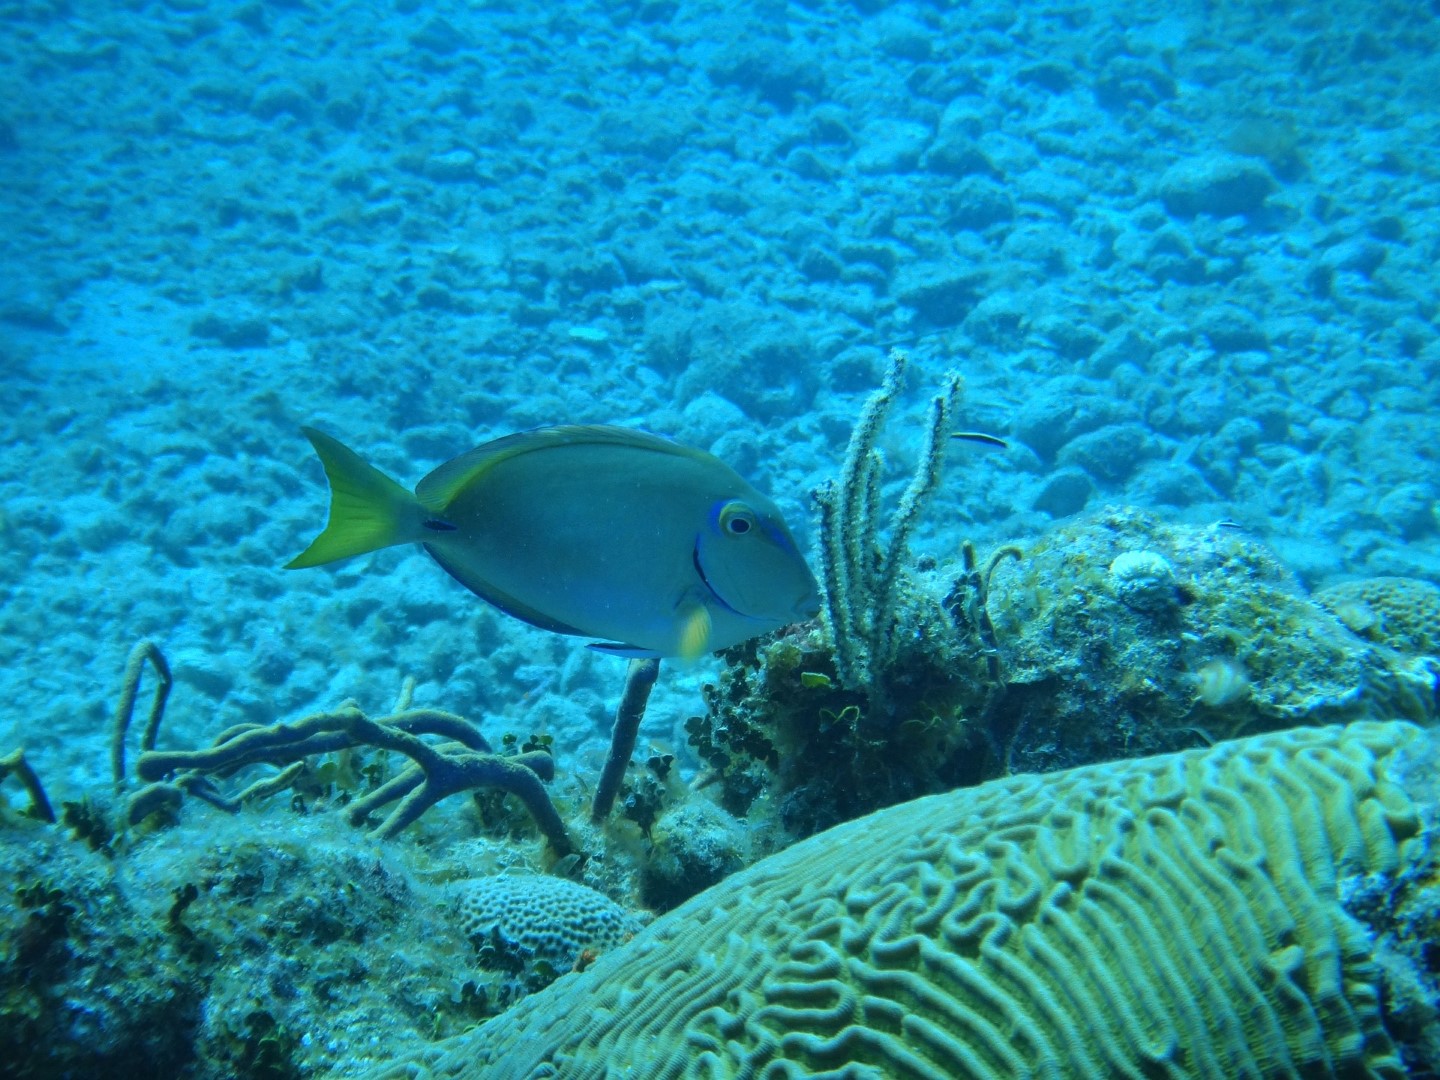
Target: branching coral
[[15, 763], [838, 723], [860, 577], [639, 681], [465, 762], [968, 602], [144, 652]]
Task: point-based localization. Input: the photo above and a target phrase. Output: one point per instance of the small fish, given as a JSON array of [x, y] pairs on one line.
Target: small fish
[[982, 438], [605, 532]]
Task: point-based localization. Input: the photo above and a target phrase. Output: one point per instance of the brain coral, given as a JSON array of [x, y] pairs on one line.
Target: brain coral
[[1174, 916], [543, 918], [1399, 612]]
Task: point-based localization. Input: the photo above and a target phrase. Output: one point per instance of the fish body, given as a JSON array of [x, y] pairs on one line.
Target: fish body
[[656, 548]]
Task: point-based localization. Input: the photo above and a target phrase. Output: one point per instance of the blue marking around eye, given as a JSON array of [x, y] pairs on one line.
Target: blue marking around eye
[[777, 536]]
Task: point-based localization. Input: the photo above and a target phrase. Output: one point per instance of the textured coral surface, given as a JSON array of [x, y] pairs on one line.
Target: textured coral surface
[[1402, 613], [1171, 916], [545, 918]]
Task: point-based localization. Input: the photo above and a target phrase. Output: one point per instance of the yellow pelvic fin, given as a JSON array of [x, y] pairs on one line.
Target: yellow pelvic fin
[[368, 510], [695, 627]]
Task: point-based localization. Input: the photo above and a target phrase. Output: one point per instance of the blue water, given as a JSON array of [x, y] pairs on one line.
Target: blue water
[[1183, 257]]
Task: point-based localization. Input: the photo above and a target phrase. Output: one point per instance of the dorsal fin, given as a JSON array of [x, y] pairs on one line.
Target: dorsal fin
[[444, 483]]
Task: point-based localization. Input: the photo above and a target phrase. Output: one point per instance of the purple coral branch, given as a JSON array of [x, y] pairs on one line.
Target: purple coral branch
[[639, 680], [438, 772]]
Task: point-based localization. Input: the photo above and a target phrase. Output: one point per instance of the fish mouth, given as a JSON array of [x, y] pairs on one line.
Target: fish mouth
[[807, 607]]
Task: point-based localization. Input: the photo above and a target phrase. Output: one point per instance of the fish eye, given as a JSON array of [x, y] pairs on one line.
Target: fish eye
[[737, 519]]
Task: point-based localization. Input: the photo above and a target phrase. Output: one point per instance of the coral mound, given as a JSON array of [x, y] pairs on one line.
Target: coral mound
[[1175, 916], [538, 918], [1398, 612]]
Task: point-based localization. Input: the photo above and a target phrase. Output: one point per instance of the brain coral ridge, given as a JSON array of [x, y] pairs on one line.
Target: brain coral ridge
[[1173, 916]]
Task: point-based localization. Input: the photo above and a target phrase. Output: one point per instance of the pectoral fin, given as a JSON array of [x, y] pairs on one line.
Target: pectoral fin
[[695, 630]]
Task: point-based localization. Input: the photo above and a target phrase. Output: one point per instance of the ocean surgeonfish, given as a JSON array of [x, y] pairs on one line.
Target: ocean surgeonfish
[[606, 532]]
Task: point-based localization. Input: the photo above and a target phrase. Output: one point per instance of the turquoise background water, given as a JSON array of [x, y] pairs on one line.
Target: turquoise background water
[[1184, 257]]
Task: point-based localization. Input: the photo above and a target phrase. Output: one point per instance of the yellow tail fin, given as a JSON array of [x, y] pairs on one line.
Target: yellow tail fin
[[368, 510]]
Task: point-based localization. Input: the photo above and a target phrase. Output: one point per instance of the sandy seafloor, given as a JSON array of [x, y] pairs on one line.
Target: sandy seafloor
[[1183, 254]]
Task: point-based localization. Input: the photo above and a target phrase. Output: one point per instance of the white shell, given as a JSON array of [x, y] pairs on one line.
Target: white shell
[[1144, 580]]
